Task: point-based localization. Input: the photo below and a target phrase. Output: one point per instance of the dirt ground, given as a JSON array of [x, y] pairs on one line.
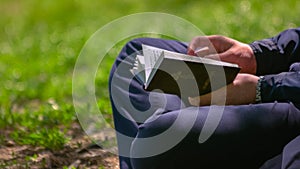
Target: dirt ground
[[79, 152]]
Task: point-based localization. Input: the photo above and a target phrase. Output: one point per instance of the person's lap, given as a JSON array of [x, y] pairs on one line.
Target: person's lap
[[246, 135]]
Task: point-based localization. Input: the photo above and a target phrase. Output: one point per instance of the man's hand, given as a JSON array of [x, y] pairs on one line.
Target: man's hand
[[241, 91], [224, 49]]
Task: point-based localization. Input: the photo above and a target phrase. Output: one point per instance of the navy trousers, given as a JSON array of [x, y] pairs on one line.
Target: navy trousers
[[156, 130]]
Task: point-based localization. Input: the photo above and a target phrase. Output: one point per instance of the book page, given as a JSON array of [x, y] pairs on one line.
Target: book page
[[156, 52], [141, 67], [140, 62], [184, 57], [151, 55], [138, 68]]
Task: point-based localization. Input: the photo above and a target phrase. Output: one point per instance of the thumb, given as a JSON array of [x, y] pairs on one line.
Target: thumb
[[195, 101], [191, 52], [203, 100]]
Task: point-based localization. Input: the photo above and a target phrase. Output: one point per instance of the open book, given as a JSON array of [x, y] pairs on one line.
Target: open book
[[181, 74]]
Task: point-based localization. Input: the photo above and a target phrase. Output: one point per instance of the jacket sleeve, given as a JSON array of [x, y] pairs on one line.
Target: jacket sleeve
[[278, 60], [281, 87], [275, 55]]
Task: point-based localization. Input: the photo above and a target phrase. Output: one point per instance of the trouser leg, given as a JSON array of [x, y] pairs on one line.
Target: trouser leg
[[130, 103], [246, 137]]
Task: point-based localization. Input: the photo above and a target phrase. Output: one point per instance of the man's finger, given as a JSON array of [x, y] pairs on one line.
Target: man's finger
[[213, 57], [202, 51], [225, 57]]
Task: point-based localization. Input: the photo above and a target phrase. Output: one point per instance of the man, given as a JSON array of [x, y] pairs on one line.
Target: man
[[259, 124]]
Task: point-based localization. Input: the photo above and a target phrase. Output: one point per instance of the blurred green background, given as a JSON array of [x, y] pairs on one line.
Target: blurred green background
[[40, 41]]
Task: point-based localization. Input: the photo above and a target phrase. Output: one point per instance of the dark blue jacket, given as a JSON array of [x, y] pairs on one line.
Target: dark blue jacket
[[278, 58]]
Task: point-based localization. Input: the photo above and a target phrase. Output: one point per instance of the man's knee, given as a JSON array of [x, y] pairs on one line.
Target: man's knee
[[295, 67], [133, 47]]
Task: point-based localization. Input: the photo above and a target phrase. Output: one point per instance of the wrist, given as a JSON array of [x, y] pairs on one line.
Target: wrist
[[252, 63]]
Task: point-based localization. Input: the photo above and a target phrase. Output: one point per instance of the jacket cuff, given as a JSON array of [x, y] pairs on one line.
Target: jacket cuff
[[263, 51], [281, 87]]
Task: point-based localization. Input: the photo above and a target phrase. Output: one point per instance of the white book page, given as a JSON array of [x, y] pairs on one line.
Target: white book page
[[138, 68], [140, 62], [151, 55], [180, 56]]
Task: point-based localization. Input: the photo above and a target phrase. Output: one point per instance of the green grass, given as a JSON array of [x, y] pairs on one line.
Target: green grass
[[40, 41]]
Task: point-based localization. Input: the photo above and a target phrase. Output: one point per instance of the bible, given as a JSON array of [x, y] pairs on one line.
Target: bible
[[180, 74]]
